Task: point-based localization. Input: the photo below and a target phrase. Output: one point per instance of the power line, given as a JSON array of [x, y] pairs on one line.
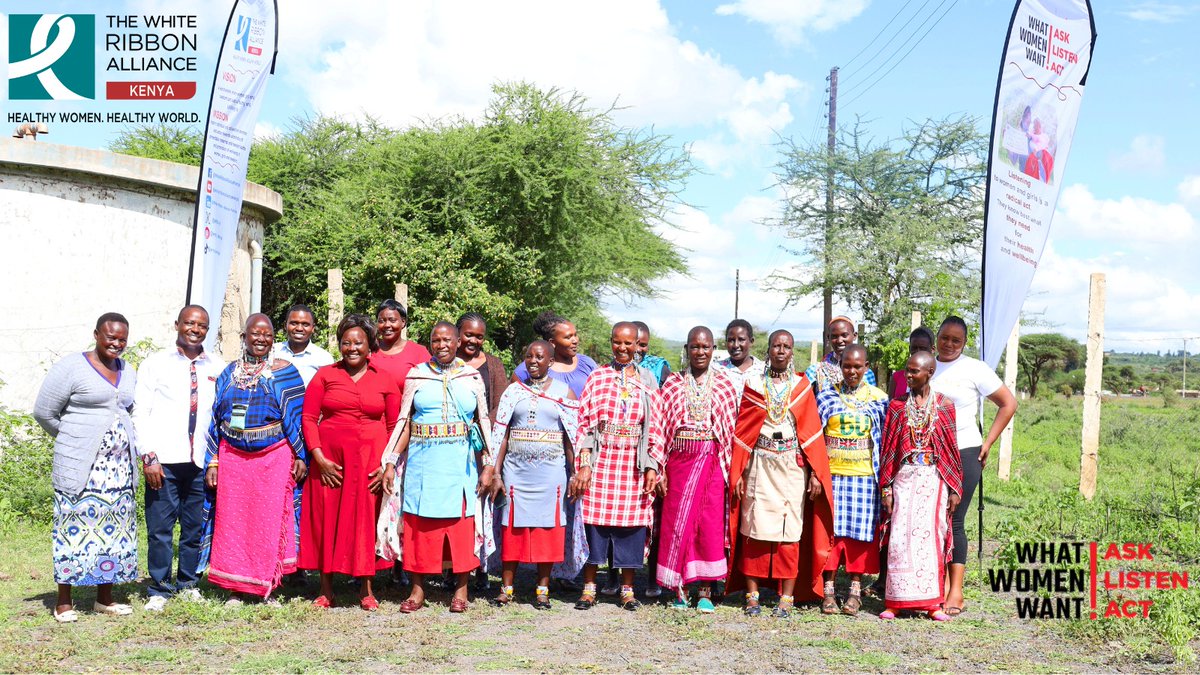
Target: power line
[[881, 30], [890, 40], [901, 60]]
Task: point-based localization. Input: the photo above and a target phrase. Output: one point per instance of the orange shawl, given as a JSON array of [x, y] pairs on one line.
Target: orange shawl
[[817, 538]]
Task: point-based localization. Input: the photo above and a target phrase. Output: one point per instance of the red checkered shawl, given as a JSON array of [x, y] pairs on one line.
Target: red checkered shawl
[[723, 410], [897, 442]]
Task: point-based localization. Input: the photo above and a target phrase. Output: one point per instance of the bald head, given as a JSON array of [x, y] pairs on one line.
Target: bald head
[[698, 331], [259, 318], [855, 349]]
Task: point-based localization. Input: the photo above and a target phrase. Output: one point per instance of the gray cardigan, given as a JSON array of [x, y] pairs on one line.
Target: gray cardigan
[[76, 406]]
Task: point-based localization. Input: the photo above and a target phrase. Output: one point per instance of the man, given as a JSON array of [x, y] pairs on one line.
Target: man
[[299, 349], [828, 371], [779, 462], [173, 399]]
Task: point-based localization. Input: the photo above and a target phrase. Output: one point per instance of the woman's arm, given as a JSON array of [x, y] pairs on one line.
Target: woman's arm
[[52, 399], [1007, 403]]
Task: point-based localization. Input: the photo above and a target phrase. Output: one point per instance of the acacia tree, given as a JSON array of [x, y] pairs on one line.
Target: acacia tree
[[906, 226], [1043, 353]]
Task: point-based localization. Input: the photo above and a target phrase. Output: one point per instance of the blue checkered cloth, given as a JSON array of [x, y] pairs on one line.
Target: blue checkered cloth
[[855, 507]]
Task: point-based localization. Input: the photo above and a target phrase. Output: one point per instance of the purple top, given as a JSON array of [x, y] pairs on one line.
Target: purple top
[[574, 379]]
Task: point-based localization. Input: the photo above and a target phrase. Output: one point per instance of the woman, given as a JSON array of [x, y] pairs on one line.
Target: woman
[[616, 466], [443, 400], [921, 482], [568, 366], [350, 409], [84, 405], [852, 413], [919, 340], [700, 409], [472, 331], [779, 462], [964, 381], [255, 461], [395, 355], [533, 431], [741, 364]]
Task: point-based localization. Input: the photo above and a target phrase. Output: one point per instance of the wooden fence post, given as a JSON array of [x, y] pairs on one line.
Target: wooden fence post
[[337, 305], [916, 320], [1010, 381], [814, 353], [402, 298], [1090, 454]]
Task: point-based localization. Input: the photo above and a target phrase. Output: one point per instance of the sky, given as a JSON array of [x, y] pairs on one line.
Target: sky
[[733, 79]]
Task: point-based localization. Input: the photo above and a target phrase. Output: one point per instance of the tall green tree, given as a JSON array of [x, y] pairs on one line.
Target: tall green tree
[[1040, 354], [905, 230]]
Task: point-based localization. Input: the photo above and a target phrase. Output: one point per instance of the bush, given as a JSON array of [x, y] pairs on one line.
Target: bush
[[1066, 390], [25, 490]]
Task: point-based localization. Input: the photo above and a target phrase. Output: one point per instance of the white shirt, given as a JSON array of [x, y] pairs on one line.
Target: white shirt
[[738, 375], [162, 405], [963, 381], [307, 362]]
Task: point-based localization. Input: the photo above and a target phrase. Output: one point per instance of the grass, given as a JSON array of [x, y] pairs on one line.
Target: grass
[[1142, 447]]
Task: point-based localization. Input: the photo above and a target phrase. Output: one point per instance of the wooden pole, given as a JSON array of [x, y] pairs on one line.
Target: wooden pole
[[1010, 381], [814, 353], [916, 320], [1089, 457], [337, 305], [402, 298]]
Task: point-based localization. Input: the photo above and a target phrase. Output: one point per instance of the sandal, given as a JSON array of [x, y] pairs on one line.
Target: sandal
[[954, 611], [629, 601], [504, 598], [586, 601], [368, 603], [115, 609], [69, 616], [408, 606], [887, 615], [323, 602], [458, 605], [752, 607], [852, 605], [829, 605], [541, 600]]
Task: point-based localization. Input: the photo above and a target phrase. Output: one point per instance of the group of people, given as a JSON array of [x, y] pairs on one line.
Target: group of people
[[435, 463]]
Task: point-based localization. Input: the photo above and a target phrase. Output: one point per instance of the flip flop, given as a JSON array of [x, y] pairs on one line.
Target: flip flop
[[115, 609], [954, 611], [323, 602]]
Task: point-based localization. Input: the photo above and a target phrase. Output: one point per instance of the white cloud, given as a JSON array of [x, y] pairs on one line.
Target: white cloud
[[1146, 153], [1158, 12], [1189, 191], [1131, 222], [266, 130], [423, 59], [789, 20]]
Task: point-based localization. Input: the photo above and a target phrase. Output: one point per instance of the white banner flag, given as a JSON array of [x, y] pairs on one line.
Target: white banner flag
[[247, 59], [1042, 76]]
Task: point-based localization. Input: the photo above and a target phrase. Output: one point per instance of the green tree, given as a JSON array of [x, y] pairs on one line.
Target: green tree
[[1040, 354], [906, 225], [184, 145]]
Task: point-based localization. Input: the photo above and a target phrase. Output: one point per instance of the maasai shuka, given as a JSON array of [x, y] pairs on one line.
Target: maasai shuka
[[722, 412], [615, 498], [817, 537]]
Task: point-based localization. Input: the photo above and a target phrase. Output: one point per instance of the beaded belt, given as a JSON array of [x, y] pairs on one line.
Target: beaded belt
[[848, 449], [695, 435], [452, 430], [921, 458], [254, 434], [621, 430], [535, 436], [777, 445]]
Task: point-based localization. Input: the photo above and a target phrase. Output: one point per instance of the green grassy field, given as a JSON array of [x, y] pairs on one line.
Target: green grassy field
[[1150, 459]]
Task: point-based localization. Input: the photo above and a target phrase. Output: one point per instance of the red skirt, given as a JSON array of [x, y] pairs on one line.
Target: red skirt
[[861, 557], [770, 559], [533, 544], [432, 545]]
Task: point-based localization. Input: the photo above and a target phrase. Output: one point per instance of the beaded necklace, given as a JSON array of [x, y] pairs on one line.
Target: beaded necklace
[[625, 384], [850, 397], [444, 372], [919, 420], [249, 369], [777, 399], [698, 396], [538, 386]]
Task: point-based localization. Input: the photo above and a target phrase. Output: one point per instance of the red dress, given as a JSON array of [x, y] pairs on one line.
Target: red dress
[[350, 422], [398, 365]]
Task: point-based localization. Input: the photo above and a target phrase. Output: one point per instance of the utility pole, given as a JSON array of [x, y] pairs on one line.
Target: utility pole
[[737, 290], [1185, 367], [832, 144]]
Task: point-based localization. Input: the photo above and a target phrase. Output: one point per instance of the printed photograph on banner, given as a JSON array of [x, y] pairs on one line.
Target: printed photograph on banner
[[1029, 138]]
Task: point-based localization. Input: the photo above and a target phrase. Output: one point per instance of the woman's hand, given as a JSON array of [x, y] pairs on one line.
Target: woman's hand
[[814, 488], [389, 479], [649, 480], [496, 488], [580, 482], [330, 472], [952, 502], [484, 487], [984, 451], [740, 490], [887, 502], [299, 470], [661, 488], [210, 478], [375, 481]]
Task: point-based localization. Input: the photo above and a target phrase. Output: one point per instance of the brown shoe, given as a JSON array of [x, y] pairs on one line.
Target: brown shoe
[[458, 605], [853, 603]]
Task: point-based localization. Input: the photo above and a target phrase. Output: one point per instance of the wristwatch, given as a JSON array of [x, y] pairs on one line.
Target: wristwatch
[[149, 459]]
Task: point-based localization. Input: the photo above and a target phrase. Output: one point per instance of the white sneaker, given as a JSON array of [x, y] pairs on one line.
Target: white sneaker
[[191, 595], [156, 603]]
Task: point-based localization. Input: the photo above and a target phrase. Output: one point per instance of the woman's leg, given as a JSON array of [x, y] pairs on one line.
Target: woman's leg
[[64, 598], [972, 471], [460, 586], [103, 594], [510, 572], [543, 572], [326, 586], [364, 588], [751, 592], [417, 594]]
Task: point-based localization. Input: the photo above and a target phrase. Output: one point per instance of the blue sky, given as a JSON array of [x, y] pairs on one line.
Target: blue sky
[[729, 79]]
